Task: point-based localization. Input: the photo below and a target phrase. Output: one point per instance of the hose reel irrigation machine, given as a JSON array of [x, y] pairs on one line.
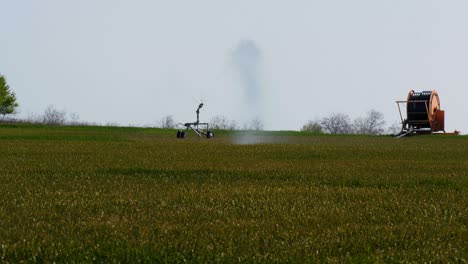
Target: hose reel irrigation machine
[[197, 127], [423, 114]]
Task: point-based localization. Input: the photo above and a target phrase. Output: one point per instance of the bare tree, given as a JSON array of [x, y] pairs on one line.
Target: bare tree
[[167, 122], [394, 128], [337, 123], [254, 124], [110, 124], [74, 119], [53, 116], [372, 124], [222, 123], [312, 126], [232, 125], [218, 122]]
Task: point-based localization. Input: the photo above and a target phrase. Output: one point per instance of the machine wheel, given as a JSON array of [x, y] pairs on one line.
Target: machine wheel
[[180, 134], [210, 134]]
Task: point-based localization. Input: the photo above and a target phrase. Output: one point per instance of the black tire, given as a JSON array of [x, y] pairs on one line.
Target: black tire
[[178, 134], [210, 134], [182, 134]]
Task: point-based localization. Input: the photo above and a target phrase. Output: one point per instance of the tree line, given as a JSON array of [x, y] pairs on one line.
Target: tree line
[[372, 123], [218, 122]]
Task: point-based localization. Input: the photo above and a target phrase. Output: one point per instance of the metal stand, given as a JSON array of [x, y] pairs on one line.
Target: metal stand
[[197, 127], [415, 127]]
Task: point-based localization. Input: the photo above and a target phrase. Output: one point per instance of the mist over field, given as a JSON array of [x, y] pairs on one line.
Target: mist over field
[[246, 60]]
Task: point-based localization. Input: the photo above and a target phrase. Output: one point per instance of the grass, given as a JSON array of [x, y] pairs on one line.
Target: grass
[[94, 194]]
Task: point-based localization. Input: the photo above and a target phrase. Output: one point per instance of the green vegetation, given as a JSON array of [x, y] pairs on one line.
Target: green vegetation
[[103, 194], [8, 102]]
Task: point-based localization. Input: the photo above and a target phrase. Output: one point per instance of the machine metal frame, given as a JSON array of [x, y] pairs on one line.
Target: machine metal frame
[[197, 127], [434, 116], [409, 127]]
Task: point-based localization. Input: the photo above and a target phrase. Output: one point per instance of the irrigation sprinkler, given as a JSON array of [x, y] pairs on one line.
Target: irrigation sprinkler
[[201, 129]]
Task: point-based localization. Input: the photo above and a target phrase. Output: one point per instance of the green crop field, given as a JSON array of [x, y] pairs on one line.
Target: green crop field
[[103, 194]]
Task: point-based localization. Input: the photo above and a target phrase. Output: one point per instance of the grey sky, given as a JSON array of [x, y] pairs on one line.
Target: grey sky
[[134, 61]]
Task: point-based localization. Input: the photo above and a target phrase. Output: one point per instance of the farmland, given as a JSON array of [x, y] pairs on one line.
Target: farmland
[[110, 194]]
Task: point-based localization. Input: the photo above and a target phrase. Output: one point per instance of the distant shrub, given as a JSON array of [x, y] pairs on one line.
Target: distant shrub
[[337, 123], [220, 122], [372, 124], [254, 124], [53, 116], [312, 126], [167, 122]]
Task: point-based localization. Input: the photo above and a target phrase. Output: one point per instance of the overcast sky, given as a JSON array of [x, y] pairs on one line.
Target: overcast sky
[[133, 62]]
